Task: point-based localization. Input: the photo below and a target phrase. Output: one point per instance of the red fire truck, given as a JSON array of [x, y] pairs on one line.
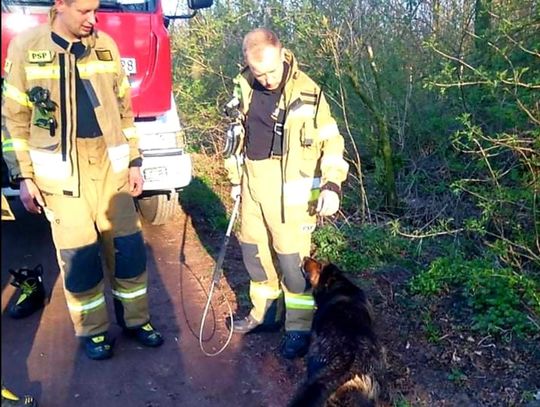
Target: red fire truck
[[140, 30]]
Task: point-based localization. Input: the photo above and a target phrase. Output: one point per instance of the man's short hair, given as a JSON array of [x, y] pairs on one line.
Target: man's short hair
[[257, 40], [53, 11]]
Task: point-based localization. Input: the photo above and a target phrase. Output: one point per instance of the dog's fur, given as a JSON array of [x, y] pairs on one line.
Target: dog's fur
[[346, 364]]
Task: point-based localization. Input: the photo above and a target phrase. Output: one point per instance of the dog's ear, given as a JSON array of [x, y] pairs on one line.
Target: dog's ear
[[313, 270]]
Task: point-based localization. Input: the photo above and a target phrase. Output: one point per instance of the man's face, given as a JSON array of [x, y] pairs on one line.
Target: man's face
[[267, 66], [77, 19]]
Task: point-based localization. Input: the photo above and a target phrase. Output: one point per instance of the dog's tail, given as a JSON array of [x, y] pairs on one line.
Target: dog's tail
[[311, 394], [360, 390]]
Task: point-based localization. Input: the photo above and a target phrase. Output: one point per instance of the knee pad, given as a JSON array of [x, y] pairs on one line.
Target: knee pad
[[130, 256], [293, 277], [252, 261], [82, 267]]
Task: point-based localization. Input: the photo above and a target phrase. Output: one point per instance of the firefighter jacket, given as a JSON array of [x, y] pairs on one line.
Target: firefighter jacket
[[31, 148], [312, 147]]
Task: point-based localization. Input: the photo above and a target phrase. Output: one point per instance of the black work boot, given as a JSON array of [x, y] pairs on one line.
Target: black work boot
[[98, 347], [31, 291], [146, 335], [9, 399], [295, 344], [250, 325]]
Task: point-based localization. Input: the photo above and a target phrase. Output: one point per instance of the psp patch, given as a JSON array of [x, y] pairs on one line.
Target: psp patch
[[40, 56], [104, 55], [307, 228]]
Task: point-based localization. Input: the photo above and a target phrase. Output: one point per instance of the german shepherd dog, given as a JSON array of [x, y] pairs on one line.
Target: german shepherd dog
[[345, 362]]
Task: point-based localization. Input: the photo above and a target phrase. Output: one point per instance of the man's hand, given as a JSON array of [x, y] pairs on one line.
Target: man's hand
[[31, 196], [236, 190], [135, 180], [328, 203]]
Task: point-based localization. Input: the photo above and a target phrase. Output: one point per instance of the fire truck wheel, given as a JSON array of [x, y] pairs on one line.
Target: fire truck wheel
[[158, 209]]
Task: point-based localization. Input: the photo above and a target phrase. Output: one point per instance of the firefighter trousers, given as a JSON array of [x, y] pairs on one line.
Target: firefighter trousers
[[96, 231], [269, 244]]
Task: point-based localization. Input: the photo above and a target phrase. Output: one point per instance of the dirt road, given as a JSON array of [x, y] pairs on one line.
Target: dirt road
[[40, 354]]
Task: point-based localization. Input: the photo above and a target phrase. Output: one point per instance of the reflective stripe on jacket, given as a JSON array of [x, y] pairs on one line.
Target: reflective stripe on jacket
[[50, 158], [312, 145], [7, 214]]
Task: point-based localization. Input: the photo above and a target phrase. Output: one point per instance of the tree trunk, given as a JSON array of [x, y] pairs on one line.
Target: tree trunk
[[385, 151]]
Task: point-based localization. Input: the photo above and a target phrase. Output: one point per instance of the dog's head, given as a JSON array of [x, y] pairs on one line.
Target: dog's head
[[330, 284], [312, 269], [318, 273]]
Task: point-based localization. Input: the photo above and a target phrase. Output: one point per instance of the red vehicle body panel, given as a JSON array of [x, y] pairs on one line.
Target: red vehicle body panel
[[139, 35]]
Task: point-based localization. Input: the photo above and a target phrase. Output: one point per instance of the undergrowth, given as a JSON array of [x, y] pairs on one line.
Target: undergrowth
[[501, 299]]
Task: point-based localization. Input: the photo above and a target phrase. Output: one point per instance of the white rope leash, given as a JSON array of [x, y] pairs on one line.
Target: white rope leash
[[215, 282]]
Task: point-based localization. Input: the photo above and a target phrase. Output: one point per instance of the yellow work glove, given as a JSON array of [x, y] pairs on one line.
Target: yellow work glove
[[328, 203]]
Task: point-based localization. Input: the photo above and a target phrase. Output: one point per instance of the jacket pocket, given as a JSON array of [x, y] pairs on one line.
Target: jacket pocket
[[309, 144], [44, 132]]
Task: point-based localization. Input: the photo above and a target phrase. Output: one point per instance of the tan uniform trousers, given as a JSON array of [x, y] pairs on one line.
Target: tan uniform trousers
[[100, 224], [267, 242]]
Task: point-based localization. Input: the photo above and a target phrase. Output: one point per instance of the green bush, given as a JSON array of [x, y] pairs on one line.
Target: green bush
[[500, 298], [359, 247]]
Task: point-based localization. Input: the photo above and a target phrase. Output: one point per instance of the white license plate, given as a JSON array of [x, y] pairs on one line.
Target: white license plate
[[155, 174], [129, 65]]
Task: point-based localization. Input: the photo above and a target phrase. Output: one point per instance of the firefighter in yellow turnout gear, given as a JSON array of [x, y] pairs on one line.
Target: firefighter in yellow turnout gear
[[288, 167], [69, 139]]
